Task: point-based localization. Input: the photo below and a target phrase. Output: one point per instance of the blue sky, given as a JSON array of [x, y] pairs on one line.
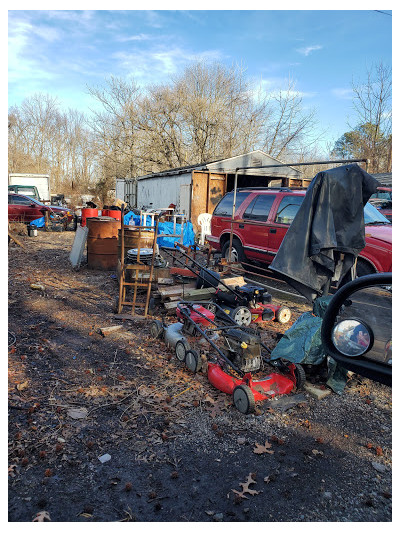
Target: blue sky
[[62, 52]]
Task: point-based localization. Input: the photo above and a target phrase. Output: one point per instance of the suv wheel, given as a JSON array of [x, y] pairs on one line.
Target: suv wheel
[[237, 253], [362, 269]]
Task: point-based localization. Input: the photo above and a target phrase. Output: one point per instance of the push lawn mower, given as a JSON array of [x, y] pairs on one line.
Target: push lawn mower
[[234, 354], [246, 304]]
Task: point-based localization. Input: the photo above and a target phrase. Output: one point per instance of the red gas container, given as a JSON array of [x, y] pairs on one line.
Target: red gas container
[[88, 212]]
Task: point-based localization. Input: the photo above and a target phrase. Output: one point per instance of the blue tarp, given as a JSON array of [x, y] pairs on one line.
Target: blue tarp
[[168, 228], [39, 222], [165, 228]]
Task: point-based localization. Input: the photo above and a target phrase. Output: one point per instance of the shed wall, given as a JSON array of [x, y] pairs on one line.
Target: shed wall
[[165, 190]]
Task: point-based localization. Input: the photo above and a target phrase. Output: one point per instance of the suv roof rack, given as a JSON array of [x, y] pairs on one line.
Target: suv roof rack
[[270, 188]]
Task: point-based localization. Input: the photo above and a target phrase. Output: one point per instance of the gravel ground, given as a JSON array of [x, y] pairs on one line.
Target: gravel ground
[[179, 451]]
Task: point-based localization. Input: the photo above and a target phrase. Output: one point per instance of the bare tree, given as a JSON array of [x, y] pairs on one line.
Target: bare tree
[[371, 135], [116, 126], [288, 128]]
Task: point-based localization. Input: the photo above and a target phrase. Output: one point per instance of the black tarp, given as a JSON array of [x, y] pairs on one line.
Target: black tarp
[[327, 233]]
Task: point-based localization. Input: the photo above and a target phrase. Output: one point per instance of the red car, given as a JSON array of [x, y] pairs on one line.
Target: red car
[[25, 209], [382, 200], [263, 216]]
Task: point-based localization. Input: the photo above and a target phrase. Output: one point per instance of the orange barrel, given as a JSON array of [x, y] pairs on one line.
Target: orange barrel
[[102, 243], [88, 212], [113, 213], [131, 239]]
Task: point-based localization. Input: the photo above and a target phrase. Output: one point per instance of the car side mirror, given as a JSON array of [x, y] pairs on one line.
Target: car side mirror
[[357, 327]]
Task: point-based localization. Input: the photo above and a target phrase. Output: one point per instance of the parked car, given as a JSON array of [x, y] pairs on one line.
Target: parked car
[[24, 209], [26, 190], [263, 216], [382, 200]]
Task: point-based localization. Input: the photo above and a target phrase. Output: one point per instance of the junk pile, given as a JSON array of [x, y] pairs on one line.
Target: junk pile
[[321, 246], [232, 355]]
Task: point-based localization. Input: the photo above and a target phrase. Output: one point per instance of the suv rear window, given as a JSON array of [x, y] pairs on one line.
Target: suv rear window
[[259, 207], [288, 208], [224, 208]]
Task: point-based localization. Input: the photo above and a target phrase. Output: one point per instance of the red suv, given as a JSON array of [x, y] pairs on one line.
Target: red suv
[[25, 209], [263, 216]]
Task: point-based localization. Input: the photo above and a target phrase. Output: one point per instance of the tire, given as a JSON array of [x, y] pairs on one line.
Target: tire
[[243, 399], [181, 347], [193, 361], [237, 255], [362, 269], [75, 223], [241, 315], [300, 376], [155, 329], [283, 315]]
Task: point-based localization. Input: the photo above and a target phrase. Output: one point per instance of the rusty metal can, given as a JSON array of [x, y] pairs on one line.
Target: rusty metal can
[[102, 243]]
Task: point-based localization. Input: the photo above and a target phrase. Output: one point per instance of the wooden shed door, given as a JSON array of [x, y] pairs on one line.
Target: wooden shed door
[[207, 191]]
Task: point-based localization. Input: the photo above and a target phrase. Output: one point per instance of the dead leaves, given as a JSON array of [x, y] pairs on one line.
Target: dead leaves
[[22, 386], [259, 449], [245, 488]]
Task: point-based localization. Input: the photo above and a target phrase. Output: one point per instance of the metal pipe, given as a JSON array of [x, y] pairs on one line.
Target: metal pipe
[[233, 215], [366, 161], [216, 348]]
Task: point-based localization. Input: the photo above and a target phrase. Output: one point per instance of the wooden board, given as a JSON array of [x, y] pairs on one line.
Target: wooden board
[[207, 190], [78, 246]]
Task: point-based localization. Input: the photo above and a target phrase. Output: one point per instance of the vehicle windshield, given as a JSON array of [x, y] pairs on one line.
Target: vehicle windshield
[[373, 216]]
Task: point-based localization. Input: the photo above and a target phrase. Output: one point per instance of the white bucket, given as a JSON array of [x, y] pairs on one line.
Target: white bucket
[[32, 231]]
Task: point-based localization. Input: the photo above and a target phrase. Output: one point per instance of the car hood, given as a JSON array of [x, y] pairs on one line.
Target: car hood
[[58, 208], [381, 233]]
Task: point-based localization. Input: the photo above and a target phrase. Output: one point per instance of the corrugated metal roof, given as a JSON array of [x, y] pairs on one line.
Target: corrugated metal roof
[[385, 178], [211, 165]]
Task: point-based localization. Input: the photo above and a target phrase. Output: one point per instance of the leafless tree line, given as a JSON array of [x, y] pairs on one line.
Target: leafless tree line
[[207, 112]]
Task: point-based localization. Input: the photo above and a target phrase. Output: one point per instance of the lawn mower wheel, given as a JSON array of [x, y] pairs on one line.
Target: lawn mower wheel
[[193, 360], [241, 315], [243, 399], [300, 376], [283, 315], [156, 329], [181, 348]]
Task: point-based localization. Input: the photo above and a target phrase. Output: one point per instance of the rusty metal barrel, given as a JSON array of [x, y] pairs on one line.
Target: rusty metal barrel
[[102, 243], [132, 240]]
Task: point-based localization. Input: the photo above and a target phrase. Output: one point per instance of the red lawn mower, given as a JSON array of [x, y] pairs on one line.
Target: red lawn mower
[[231, 355], [245, 305]]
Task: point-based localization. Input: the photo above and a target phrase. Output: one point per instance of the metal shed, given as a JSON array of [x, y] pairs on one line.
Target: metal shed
[[198, 188], [384, 178]]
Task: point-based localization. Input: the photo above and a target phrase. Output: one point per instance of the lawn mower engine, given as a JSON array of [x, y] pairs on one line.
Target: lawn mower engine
[[243, 349], [251, 303], [202, 318]]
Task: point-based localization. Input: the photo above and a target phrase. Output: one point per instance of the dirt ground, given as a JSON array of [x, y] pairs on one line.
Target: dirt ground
[[177, 448]]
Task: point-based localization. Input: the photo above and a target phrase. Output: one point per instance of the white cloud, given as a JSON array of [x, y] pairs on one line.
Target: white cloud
[[21, 66], [343, 94], [305, 51], [152, 65], [139, 37]]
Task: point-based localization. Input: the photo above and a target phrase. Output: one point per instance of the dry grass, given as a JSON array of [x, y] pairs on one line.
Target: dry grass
[[18, 228]]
